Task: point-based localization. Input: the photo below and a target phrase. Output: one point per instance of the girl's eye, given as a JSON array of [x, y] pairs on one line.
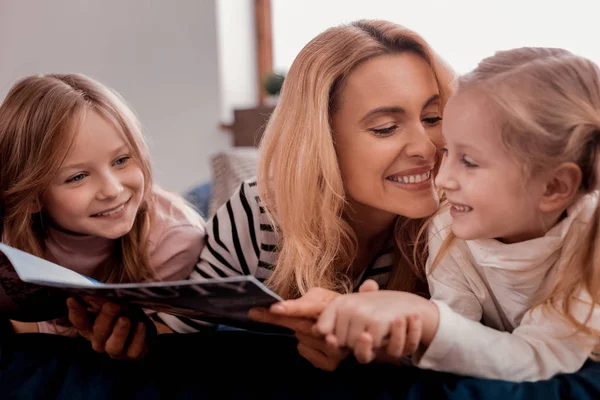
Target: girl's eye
[[432, 121], [76, 178], [122, 160], [384, 131], [468, 163]]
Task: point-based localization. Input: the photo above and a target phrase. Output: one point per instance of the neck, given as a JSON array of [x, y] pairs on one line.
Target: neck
[[372, 227], [59, 228], [546, 222]]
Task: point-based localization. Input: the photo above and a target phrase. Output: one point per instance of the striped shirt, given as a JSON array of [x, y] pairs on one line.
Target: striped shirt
[[241, 240]]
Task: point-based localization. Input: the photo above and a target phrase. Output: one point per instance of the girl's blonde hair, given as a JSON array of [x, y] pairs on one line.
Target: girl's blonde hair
[[547, 104], [298, 174], [38, 121]]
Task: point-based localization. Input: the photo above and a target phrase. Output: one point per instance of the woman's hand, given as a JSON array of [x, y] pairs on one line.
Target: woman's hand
[[300, 315], [364, 321], [110, 327]]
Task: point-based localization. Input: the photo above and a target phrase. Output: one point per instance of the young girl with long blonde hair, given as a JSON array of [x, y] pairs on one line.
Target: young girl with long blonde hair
[[76, 188], [514, 256]]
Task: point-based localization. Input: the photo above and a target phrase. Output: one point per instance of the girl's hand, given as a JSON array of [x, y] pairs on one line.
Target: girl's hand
[[300, 316], [404, 339], [104, 325], [349, 316]]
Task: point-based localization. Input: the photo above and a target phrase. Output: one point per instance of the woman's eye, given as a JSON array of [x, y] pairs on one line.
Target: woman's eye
[[76, 178], [384, 131], [432, 121], [122, 160]]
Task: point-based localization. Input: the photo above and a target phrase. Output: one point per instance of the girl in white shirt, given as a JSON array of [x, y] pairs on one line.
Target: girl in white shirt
[[514, 256]]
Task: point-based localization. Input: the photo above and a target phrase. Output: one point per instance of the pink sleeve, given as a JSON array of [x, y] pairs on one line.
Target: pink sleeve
[[51, 327], [177, 252]]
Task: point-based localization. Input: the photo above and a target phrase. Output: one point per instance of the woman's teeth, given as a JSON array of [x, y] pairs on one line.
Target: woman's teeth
[[411, 178]]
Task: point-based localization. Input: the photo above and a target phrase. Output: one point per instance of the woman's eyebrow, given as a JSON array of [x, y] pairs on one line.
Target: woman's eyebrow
[[432, 99], [383, 110]]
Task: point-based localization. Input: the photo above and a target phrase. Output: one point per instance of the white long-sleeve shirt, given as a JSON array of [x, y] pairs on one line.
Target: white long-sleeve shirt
[[485, 291]]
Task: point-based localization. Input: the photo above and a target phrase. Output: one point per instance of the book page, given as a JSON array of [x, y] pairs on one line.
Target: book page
[[33, 269]]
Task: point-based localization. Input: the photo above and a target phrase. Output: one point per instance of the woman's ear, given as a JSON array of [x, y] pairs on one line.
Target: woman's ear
[[562, 187]]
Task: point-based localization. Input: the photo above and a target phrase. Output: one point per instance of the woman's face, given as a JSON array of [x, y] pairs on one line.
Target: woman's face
[[387, 131]]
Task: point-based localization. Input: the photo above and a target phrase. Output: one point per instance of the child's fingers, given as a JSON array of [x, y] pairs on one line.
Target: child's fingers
[[363, 350], [395, 347], [368, 286], [137, 346], [94, 303], [116, 342], [377, 331], [326, 323], [103, 325], [413, 334], [78, 316], [342, 328]]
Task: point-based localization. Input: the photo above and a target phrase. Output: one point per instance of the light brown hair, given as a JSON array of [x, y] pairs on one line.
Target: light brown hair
[[38, 121], [299, 177], [547, 101]]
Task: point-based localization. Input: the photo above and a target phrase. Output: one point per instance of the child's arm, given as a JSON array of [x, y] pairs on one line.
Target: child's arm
[[24, 327], [453, 280], [349, 316], [539, 348], [405, 336]]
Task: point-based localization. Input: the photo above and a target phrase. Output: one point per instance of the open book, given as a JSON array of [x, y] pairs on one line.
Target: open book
[[33, 289]]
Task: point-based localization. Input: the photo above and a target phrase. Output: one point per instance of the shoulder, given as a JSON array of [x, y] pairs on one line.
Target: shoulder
[[174, 218], [245, 201], [440, 225], [445, 249], [249, 190]]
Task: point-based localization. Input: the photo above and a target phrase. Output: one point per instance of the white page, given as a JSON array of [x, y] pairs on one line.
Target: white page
[[36, 270]]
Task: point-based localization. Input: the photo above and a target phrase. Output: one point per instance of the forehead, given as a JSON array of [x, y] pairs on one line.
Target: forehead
[[94, 138], [395, 78], [470, 119]]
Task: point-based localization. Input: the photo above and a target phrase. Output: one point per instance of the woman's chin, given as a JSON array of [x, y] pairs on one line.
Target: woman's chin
[[418, 209]]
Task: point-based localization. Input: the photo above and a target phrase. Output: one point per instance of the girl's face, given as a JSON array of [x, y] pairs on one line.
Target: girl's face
[[386, 126], [489, 195], [99, 188]]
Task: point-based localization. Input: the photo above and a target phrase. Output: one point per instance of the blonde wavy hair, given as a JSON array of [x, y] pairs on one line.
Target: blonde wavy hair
[[298, 174], [38, 119], [548, 103]]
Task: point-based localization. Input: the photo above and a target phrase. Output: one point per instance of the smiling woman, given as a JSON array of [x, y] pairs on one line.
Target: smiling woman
[[344, 182]]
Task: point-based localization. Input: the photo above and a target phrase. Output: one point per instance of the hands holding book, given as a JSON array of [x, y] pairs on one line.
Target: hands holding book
[[121, 332], [301, 315]]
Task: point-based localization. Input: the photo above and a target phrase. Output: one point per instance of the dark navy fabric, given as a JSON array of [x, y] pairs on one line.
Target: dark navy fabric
[[236, 364]]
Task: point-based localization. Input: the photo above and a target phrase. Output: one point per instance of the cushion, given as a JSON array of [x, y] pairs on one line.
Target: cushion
[[199, 197], [229, 169]]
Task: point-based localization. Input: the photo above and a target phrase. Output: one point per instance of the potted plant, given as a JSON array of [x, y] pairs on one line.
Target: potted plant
[[272, 86]]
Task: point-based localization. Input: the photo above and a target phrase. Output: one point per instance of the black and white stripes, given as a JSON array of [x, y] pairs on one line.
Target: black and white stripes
[[241, 240]]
